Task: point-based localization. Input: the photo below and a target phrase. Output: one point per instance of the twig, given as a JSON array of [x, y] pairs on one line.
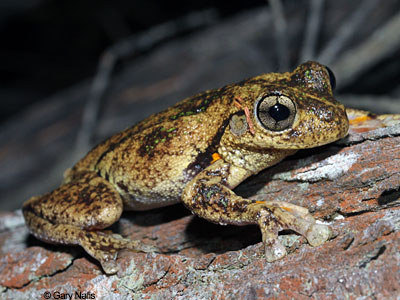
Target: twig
[[280, 27], [346, 31], [383, 42], [312, 30]]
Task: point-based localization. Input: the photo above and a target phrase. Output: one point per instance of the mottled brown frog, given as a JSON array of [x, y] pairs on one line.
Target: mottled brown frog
[[197, 151]]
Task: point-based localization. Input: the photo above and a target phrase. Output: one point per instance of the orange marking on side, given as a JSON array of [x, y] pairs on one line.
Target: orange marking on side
[[359, 120], [215, 156], [238, 103]]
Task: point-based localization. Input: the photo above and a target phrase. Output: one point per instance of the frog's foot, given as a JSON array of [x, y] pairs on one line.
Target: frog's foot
[[275, 216], [209, 196], [105, 247]]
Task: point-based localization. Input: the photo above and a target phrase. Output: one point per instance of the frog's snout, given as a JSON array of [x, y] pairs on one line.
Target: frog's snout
[[342, 122], [322, 126], [333, 124]]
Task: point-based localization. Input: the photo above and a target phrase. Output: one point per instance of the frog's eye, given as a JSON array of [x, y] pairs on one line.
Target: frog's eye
[[332, 78], [275, 112]]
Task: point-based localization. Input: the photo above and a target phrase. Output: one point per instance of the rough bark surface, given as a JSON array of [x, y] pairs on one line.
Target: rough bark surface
[[353, 185]]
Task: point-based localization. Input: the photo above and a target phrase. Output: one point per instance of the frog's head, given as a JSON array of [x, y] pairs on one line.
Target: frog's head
[[296, 110]]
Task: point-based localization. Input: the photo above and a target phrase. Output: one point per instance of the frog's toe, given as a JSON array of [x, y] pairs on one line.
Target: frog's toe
[[318, 234], [275, 251], [110, 267]]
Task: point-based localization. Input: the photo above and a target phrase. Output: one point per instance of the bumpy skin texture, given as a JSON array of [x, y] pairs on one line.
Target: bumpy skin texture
[[197, 151]]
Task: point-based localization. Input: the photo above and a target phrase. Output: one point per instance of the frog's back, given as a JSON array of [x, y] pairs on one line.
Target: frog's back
[[153, 160]]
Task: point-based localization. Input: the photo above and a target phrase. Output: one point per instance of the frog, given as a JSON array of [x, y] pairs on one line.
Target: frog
[[196, 152]]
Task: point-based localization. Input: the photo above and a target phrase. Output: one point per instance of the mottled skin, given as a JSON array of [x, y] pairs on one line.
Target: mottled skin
[[197, 151]]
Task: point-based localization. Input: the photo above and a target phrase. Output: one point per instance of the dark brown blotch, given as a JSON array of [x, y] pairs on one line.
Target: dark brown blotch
[[159, 135]]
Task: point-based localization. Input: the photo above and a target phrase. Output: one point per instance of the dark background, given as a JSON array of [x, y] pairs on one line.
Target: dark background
[[48, 45]]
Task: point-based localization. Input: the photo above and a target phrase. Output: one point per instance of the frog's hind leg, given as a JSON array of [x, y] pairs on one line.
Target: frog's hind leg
[[76, 212]]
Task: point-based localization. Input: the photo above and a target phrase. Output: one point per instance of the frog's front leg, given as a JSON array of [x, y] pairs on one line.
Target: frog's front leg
[[209, 196], [76, 212]]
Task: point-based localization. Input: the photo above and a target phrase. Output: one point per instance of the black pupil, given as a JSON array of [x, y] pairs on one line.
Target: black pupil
[[279, 112]]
